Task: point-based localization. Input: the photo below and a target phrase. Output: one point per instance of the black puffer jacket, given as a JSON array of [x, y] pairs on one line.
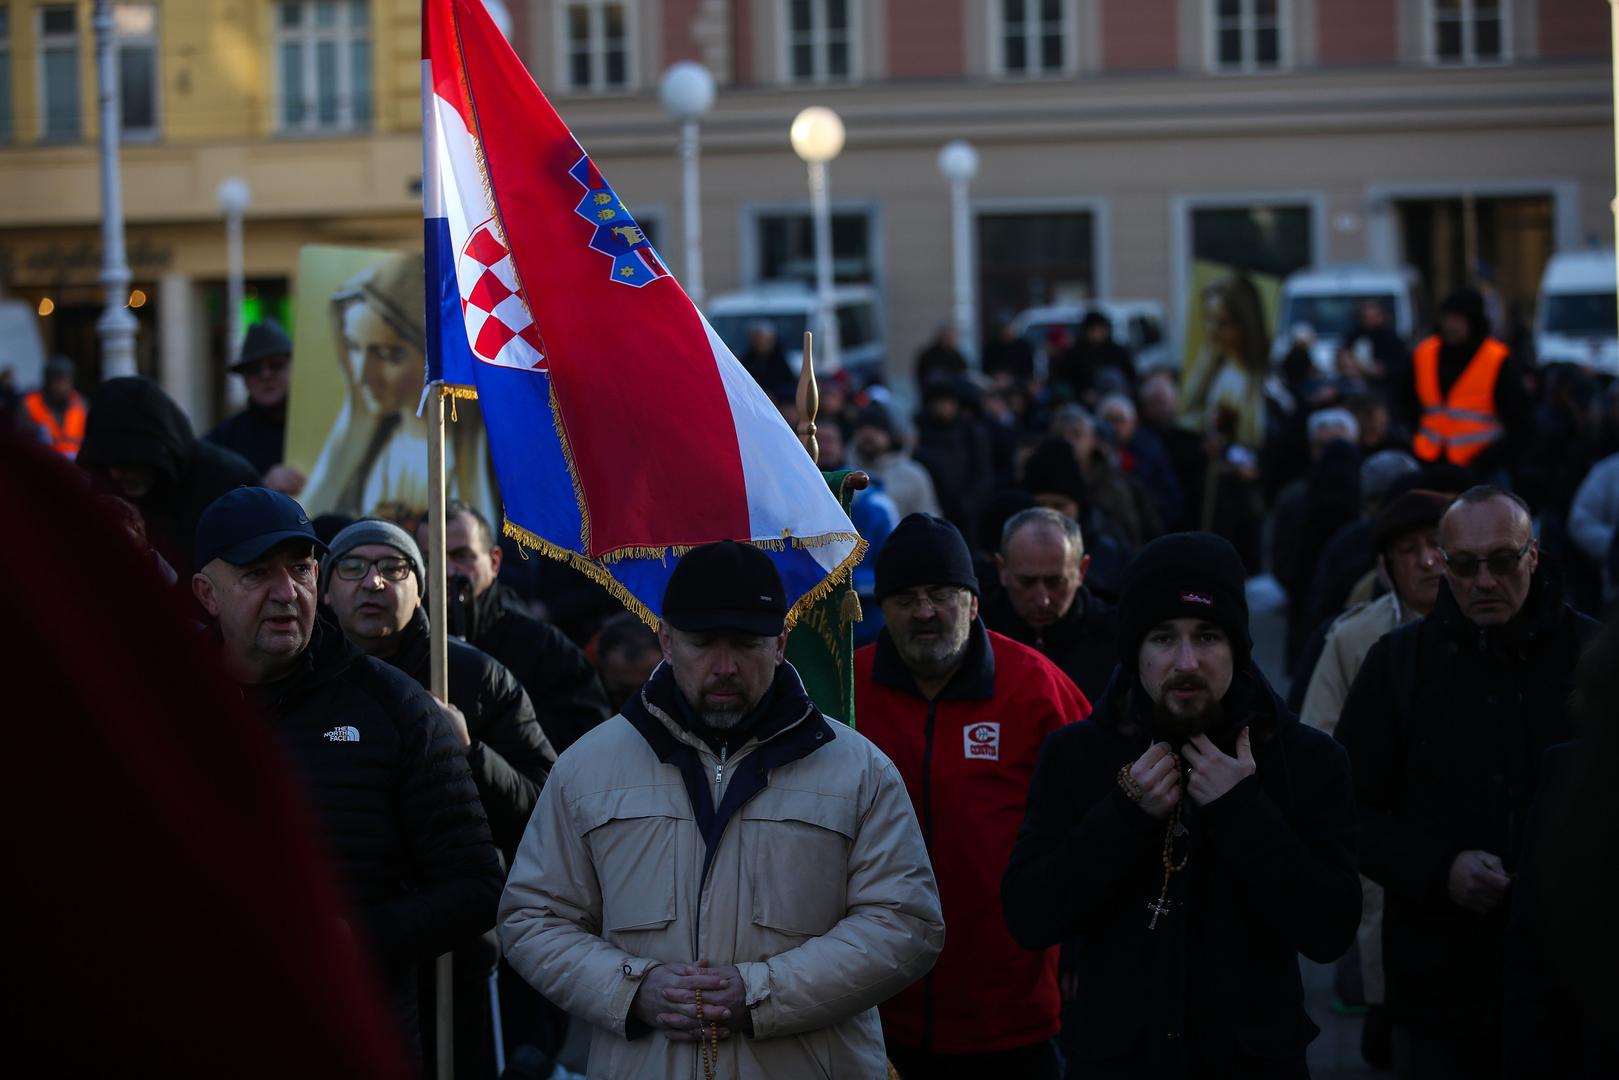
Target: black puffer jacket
[[1446, 725], [510, 756], [133, 422], [1214, 990], [561, 684], [396, 802]]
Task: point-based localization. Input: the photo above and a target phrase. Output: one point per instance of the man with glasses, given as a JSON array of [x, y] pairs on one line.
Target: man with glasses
[[387, 779], [1445, 728], [373, 584], [962, 712], [259, 432]]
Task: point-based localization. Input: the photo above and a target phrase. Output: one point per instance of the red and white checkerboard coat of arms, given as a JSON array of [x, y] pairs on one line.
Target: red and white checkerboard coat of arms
[[499, 327]]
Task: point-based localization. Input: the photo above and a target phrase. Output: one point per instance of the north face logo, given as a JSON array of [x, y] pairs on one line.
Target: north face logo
[[343, 734], [982, 742]]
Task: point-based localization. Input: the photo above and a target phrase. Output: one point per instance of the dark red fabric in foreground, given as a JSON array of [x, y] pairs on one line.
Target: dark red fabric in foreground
[[170, 908]]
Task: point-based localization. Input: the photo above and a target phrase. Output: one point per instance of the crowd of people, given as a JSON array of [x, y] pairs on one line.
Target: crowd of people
[[1076, 831]]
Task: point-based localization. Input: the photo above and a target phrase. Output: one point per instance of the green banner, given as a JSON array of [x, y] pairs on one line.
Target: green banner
[[821, 645]]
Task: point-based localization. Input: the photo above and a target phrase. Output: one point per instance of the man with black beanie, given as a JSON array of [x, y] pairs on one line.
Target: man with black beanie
[[962, 712], [721, 874], [1194, 838]]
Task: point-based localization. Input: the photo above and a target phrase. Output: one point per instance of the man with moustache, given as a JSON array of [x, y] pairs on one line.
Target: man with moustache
[[720, 876], [962, 712], [388, 781], [1191, 839], [1446, 725]]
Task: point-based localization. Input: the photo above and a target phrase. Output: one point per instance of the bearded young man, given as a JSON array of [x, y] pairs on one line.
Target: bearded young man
[[1191, 839]]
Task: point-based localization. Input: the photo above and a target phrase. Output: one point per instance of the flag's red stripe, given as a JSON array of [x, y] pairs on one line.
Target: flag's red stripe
[[643, 405]]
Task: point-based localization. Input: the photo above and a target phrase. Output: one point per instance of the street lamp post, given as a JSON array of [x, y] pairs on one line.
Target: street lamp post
[[116, 326], [234, 195], [687, 92], [817, 136], [958, 163]]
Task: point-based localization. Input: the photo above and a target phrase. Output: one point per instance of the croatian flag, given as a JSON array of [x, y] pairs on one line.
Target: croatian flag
[[623, 430]]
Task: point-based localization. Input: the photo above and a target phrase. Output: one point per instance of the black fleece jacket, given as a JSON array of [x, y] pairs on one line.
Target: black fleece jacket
[[1214, 990]]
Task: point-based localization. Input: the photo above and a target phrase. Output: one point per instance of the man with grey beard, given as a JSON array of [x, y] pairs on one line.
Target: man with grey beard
[[962, 712], [721, 874]]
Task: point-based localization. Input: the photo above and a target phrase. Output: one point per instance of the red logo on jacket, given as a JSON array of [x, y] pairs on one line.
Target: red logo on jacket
[[982, 741]]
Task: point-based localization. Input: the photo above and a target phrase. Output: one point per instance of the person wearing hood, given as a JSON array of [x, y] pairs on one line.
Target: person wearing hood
[[1466, 399], [388, 781], [1193, 837], [259, 432], [1445, 726], [373, 583], [141, 447]]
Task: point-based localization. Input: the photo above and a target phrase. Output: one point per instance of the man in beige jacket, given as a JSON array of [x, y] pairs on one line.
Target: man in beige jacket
[[1406, 535], [720, 881]]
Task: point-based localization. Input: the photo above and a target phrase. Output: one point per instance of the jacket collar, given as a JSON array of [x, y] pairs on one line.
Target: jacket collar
[[1072, 626], [973, 681], [328, 655], [414, 644], [663, 717], [1542, 612]]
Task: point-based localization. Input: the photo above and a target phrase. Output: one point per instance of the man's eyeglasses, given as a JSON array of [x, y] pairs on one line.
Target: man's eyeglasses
[[938, 599], [1501, 564], [355, 568]]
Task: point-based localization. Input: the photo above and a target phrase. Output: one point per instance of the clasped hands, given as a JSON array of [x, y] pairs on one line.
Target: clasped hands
[[667, 1000], [1157, 773]]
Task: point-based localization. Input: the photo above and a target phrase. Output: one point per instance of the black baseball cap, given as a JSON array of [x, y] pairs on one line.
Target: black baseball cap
[[241, 525], [726, 586]]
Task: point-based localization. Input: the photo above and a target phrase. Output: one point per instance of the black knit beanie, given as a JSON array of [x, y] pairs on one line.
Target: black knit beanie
[[924, 550], [1190, 575]]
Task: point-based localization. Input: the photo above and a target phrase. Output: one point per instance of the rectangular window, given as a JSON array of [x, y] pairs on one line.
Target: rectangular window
[[59, 72], [787, 247], [1033, 259], [1032, 37], [323, 65], [596, 37], [820, 41], [6, 130], [135, 30], [1467, 31], [1248, 35]]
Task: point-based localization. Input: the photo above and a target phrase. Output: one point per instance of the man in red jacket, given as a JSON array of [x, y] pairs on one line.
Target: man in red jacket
[[962, 712]]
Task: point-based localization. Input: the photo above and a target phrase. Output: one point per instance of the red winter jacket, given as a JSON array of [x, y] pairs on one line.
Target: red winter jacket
[[967, 758]]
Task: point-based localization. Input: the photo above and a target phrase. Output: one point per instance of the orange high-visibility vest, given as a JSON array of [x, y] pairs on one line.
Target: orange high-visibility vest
[[1459, 425], [67, 436]]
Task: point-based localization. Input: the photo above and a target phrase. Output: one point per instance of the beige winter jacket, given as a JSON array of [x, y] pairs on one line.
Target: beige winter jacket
[[820, 892], [1349, 639]]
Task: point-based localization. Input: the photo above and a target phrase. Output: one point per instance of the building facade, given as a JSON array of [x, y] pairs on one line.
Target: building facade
[[1122, 143]]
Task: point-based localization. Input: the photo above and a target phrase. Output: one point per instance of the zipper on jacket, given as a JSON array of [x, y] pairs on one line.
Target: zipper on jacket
[[927, 842], [719, 776]]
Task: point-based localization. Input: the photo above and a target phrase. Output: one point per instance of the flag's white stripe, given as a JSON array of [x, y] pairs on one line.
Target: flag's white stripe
[[779, 494], [462, 198], [432, 193]]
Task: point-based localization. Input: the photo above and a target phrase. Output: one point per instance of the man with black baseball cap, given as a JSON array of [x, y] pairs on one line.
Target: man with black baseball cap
[[962, 712], [1192, 838], [387, 779], [259, 432], [721, 874]]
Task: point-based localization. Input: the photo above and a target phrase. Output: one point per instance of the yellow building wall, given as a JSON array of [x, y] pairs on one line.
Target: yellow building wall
[[217, 68]]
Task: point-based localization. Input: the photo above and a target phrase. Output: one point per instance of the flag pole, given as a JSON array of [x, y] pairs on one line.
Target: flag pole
[[809, 400], [439, 683]]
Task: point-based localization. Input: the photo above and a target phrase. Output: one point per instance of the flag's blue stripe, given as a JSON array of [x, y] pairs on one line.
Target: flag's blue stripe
[[449, 357]]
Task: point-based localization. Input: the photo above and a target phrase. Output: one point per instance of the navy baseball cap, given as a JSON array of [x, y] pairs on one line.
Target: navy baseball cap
[[241, 525], [726, 586]]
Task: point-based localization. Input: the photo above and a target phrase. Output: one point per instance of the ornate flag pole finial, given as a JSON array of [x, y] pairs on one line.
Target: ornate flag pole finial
[[809, 400]]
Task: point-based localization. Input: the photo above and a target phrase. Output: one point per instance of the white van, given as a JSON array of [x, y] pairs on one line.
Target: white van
[[23, 350], [1577, 318], [790, 306], [1329, 299], [1138, 325]]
